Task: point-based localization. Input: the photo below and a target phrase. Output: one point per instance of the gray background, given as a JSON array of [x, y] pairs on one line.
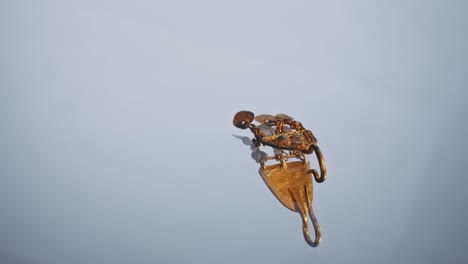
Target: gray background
[[116, 135]]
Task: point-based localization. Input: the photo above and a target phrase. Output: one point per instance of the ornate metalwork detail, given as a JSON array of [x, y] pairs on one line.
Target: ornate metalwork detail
[[289, 180]]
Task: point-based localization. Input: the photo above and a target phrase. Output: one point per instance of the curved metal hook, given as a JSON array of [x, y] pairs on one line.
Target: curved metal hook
[[318, 233], [303, 208], [323, 168], [305, 230]]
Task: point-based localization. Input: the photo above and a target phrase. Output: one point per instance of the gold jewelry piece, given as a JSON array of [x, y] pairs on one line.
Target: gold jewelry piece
[[290, 181]]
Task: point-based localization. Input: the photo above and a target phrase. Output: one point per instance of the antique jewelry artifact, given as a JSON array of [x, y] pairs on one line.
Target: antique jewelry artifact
[[290, 181]]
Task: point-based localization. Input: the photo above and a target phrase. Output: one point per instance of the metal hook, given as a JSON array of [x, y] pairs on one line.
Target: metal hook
[[323, 168], [304, 206], [318, 233]]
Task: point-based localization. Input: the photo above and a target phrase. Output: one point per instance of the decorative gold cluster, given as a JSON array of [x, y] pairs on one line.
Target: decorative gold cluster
[[290, 181]]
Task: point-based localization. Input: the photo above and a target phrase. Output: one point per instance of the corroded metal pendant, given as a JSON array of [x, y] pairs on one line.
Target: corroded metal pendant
[[290, 181]]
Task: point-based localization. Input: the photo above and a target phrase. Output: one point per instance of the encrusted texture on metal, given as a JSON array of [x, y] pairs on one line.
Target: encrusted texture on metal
[[289, 180]]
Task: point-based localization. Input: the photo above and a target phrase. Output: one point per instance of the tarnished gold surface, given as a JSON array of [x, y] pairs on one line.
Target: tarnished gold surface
[[292, 186], [289, 180]]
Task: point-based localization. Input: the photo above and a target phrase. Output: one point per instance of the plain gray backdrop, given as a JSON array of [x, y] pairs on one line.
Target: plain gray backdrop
[[116, 130]]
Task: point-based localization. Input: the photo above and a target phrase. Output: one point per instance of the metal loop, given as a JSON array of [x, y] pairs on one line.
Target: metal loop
[[323, 168], [305, 225]]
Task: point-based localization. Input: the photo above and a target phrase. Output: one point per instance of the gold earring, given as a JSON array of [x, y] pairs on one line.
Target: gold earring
[[290, 181]]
